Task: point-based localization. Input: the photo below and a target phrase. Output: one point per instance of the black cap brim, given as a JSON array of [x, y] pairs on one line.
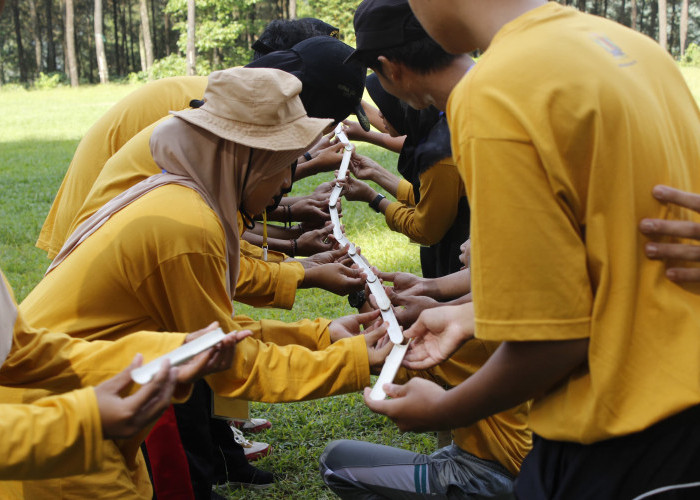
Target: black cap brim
[[362, 117]]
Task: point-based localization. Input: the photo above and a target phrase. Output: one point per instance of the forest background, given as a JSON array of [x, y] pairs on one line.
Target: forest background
[[45, 43]]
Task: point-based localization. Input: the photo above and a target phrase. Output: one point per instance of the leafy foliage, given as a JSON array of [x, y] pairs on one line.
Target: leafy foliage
[[691, 56]]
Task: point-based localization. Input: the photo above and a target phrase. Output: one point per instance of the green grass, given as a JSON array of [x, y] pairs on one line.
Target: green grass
[[39, 131]]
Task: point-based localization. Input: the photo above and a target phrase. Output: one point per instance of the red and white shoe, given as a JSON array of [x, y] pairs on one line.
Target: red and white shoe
[[253, 425], [253, 450]]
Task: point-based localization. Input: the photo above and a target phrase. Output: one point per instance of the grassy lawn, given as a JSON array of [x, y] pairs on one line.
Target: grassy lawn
[[39, 131]]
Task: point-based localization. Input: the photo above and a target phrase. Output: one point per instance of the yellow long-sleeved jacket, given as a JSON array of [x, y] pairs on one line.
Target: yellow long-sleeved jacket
[[428, 221], [119, 124], [150, 267], [60, 432]]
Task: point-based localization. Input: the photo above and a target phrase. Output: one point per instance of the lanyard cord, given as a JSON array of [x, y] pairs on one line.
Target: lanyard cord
[[264, 245]]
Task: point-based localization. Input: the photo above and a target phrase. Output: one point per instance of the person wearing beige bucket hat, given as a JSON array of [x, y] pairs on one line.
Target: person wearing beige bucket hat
[[164, 255]]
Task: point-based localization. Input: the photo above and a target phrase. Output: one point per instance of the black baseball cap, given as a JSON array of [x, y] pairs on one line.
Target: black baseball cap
[[322, 26], [330, 88], [283, 34], [382, 24]]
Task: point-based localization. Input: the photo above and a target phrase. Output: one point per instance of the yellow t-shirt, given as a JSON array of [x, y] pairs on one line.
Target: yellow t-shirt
[[119, 124], [427, 222], [560, 132], [150, 267], [504, 437]]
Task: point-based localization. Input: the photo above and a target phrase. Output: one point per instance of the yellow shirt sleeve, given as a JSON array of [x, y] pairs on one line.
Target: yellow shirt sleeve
[[529, 279], [53, 437], [268, 284], [427, 222], [404, 193]]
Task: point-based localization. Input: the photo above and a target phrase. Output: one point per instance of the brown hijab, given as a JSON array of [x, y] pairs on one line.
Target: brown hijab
[[221, 169]]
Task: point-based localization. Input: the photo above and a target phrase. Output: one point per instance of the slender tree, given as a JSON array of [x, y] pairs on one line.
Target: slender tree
[[18, 37], [146, 34], [292, 9], [684, 26], [190, 38], [50, 44], [633, 15], [71, 58], [663, 27], [100, 43], [36, 35]]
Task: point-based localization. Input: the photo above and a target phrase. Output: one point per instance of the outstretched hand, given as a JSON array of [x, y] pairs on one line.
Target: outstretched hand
[[657, 228], [437, 334], [123, 417], [351, 325], [316, 241], [405, 283], [216, 359], [334, 277], [414, 406]]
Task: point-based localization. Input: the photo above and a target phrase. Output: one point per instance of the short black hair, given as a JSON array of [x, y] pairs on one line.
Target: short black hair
[[423, 56], [283, 34]]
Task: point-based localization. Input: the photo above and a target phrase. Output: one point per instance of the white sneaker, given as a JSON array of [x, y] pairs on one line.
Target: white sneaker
[[253, 449]]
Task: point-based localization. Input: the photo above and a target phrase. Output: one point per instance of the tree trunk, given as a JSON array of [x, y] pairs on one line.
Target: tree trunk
[[20, 48], [663, 40], [633, 15], [292, 9], [125, 49], [100, 44], [142, 52], [117, 52], [191, 63], [146, 35], [70, 45], [684, 25], [50, 45], [166, 33], [131, 35], [154, 30], [36, 34]]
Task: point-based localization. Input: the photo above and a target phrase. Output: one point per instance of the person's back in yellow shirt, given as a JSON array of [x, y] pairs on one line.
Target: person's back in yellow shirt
[[114, 129]]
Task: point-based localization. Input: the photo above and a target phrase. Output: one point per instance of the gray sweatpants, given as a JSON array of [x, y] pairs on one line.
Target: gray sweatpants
[[357, 469]]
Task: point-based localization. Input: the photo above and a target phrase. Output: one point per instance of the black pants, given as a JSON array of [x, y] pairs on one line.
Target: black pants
[[665, 456], [208, 442]]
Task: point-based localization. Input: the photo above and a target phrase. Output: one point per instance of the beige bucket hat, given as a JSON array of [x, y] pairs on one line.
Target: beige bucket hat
[[256, 107]]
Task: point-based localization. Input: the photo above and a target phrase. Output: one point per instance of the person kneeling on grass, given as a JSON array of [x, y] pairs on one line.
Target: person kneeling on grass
[[164, 255], [486, 454], [59, 372]]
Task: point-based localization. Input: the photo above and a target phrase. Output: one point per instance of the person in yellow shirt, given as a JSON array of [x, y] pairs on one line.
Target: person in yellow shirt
[[52, 364], [430, 206], [165, 253], [559, 155]]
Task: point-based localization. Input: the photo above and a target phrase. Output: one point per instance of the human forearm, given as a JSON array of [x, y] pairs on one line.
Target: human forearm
[[517, 372], [451, 286]]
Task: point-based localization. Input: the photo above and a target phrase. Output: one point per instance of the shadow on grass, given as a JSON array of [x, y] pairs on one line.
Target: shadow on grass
[[30, 173]]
